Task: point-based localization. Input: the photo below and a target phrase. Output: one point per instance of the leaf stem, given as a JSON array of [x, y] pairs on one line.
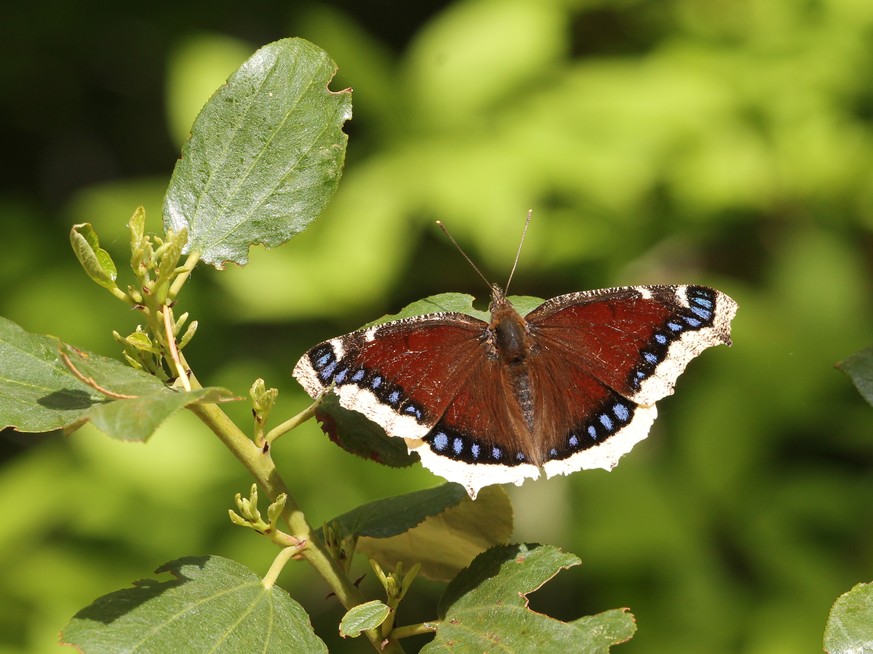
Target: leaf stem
[[186, 270], [415, 629], [181, 372], [88, 381], [278, 564], [292, 422]]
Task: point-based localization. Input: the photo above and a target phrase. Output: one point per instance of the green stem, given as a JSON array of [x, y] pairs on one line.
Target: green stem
[[291, 423], [261, 466], [278, 563], [415, 629], [182, 277], [121, 295]]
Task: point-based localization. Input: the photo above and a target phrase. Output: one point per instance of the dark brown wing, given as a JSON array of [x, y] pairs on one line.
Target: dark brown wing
[[603, 358]]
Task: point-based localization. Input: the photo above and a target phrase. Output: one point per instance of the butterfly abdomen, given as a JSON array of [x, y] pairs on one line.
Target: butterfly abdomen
[[512, 345]]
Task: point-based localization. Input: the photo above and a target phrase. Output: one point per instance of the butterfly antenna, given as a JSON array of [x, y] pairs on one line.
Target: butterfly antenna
[[518, 252], [461, 250]]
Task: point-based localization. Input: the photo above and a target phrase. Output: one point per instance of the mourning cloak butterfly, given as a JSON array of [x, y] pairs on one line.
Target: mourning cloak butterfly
[[571, 385]]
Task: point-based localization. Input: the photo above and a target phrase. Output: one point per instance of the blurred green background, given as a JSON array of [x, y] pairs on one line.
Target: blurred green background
[[723, 143]]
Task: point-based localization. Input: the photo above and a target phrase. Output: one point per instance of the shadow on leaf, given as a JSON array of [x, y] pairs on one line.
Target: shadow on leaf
[[115, 605], [67, 400]]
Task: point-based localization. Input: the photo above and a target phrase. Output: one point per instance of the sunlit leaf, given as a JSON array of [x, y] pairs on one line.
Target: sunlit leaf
[[485, 608], [850, 625], [37, 391], [265, 154], [859, 368], [138, 418], [447, 541], [211, 605], [362, 617], [94, 259], [40, 392]]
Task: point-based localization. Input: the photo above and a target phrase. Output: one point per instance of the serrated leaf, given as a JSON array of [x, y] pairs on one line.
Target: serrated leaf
[[265, 155], [859, 368], [138, 418], [368, 615], [95, 260], [446, 542], [601, 631], [212, 605], [850, 624], [150, 402], [357, 435], [108, 374], [39, 392], [395, 515], [485, 608]]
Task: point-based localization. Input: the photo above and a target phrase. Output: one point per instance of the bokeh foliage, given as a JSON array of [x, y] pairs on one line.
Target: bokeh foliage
[[684, 141]]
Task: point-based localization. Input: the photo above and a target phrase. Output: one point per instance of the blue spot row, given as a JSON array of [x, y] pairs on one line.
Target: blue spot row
[[459, 446], [615, 413], [699, 314], [330, 370], [612, 417]]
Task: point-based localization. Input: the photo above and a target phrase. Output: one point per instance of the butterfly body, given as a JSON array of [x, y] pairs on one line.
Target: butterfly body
[[570, 385]]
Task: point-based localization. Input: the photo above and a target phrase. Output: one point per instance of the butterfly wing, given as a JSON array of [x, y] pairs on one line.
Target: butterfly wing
[[480, 439], [432, 381], [402, 374], [603, 358], [598, 362]]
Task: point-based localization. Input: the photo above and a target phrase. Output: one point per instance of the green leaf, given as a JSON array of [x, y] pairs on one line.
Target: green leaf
[[458, 303], [102, 373], [265, 155], [362, 617], [395, 515], [96, 261], [447, 541], [138, 418], [485, 608], [859, 368], [212, 605], [39, 392], [603, 630], [850, 624]]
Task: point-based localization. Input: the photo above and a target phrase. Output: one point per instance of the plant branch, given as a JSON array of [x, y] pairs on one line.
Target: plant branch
[[259, 463]]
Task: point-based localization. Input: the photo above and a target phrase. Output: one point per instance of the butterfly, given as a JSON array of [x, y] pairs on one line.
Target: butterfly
[[571, 385]]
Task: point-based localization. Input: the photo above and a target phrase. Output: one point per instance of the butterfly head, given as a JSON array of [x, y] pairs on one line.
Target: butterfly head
[[498, 297]]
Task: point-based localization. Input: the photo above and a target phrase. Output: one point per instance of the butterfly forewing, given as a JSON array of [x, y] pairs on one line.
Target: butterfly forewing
[[400, 377], [636, 340]]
